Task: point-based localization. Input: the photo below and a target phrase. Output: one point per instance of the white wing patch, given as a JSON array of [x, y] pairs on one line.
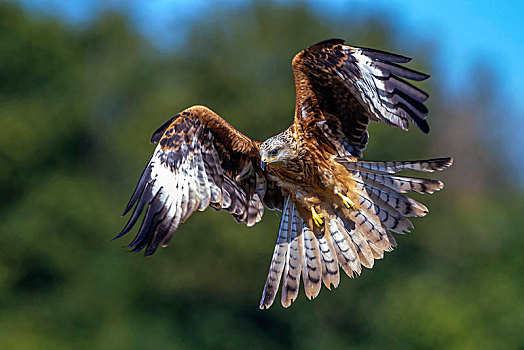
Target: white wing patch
[[174, 186], [379, 88]]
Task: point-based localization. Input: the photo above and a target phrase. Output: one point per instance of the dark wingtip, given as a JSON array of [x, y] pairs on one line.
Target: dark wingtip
[[128, 207], [443, 163], [149, 252], [157, 135], [117, 236], [127, 228], [424, 126], [143, 182], [421, 123], [425, 76]]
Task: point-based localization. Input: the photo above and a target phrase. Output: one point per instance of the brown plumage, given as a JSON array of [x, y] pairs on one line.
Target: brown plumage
[[336, 209]]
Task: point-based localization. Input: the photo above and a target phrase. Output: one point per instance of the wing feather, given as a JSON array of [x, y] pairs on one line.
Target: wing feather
[[344, 87], [200, 161]]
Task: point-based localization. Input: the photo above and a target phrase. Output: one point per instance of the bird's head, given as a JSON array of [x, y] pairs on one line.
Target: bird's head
[[277, 150]]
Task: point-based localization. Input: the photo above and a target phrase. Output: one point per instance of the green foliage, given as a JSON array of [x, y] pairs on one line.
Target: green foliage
[[77, 107]]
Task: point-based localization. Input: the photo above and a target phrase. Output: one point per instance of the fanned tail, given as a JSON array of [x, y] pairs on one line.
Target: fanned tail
[[349, 238]]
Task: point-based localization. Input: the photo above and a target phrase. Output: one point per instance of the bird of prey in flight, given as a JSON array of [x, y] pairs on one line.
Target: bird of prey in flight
[[337, 210]]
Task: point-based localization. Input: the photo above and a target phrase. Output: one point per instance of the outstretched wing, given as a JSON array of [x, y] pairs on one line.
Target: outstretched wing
[[339, 88], [200, 161]]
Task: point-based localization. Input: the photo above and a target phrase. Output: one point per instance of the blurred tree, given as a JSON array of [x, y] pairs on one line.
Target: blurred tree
[[77, 106]]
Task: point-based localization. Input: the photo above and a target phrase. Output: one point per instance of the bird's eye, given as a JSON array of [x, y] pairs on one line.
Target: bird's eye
[[273, 152]]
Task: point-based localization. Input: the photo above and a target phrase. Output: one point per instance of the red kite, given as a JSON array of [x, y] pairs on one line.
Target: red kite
[[336, 209]]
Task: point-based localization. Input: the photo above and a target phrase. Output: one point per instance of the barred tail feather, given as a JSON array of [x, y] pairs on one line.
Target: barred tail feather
[[330, 275], [377, 252], [346, 252], [429, 165], [390, 218], [312, 265], [368, 222], [280, 254], [401, 203], [402, 184], [293, 264]]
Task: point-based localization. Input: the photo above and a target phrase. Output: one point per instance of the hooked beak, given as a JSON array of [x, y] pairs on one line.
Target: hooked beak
[[264, 162]]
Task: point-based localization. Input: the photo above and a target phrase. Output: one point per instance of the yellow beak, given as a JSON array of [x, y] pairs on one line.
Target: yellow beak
[[265, 161]]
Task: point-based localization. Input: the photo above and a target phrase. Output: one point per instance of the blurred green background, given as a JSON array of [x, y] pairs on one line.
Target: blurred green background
[[77, 107]]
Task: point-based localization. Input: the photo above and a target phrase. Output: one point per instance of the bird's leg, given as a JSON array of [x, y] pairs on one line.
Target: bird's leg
[[348, 203], [317, 217]]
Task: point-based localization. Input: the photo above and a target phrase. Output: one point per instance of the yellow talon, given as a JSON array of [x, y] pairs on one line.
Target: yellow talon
[[317, 217], [347, 202]]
